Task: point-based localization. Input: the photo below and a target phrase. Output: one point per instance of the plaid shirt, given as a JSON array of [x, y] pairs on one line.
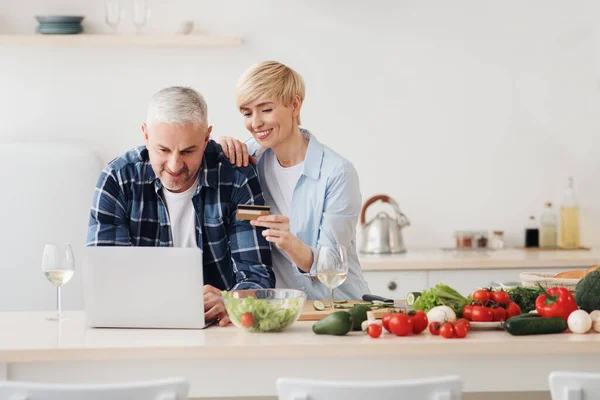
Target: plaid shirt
[[129, 210]]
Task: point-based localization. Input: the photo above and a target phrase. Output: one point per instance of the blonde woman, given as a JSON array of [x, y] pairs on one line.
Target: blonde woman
[[313, 192]]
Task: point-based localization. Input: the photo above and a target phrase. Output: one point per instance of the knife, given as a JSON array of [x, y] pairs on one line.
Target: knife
[[372, 297]]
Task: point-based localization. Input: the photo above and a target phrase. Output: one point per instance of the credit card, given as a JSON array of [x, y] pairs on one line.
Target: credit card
[[249, 212]]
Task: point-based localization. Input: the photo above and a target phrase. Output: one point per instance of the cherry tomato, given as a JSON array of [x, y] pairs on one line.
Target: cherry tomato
[[499, 314], [513, 310], [374, 330], [401, 325], [501, 297], [247, 319], [460, 330], [434, 328], [385, 321], [467, 312], [420, 321], [465, 322], [447, 330], [481, 295], [482, 314]]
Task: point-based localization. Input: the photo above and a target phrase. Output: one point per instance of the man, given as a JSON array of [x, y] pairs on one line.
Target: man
[[180, 190]]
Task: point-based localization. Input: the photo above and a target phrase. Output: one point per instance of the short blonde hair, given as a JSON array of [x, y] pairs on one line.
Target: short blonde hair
[[269, 79]]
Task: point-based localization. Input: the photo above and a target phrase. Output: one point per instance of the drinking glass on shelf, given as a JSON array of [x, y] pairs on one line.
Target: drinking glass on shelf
[[141, 13], [113, 13], [58, 265], [332, 267]]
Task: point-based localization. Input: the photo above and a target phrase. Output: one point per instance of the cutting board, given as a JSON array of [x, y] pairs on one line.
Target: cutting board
[[310, 314]]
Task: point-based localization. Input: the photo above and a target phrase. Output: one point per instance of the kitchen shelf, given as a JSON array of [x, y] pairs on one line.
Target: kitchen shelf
[[93, 40]]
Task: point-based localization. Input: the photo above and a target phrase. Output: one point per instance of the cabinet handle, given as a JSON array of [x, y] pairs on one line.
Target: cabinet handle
[[392, 285]]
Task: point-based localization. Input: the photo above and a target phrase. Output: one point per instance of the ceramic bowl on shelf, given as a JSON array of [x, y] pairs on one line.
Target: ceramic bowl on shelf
[[59, 24]]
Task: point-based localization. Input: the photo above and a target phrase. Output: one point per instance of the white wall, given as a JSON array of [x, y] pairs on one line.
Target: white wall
[[471, 114]]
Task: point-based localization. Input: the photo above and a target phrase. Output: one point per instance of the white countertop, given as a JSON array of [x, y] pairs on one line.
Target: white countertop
[[27, 337], [438, 259]]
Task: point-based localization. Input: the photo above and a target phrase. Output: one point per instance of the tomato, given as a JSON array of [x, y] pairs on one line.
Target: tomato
[[447, 330], [385, 321], [512, 310], [434, 328], [460, 330], [501, 297], [464, 322], [247, 319], [374, 330], [420, 321], [401, 325], [467, 312], [482, 314], [499, 314], [482, 295]]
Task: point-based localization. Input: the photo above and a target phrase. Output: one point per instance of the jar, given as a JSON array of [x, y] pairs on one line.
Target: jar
[[497, 240], [482, 240], [464, 239]]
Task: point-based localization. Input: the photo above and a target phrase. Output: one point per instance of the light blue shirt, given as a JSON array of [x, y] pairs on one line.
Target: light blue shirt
[[325, 208]]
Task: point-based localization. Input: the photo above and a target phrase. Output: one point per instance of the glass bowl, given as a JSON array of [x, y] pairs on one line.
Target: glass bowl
[[264, 310]]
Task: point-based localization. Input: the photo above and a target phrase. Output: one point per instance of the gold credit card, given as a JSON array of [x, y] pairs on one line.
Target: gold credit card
[[249, 212]]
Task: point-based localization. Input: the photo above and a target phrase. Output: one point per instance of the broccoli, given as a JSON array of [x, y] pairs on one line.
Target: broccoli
[[587, 294]]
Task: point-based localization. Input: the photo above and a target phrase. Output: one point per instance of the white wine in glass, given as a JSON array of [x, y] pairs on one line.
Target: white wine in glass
[[332, 267], [58, 266]]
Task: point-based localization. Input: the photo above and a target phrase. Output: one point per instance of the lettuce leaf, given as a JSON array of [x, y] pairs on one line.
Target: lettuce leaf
[[441, 295]]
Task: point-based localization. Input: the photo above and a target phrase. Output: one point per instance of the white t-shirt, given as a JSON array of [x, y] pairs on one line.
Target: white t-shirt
[[182, 216], [281, 182]]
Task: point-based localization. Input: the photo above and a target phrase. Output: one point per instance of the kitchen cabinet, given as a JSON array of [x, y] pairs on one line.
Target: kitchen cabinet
[[396, 275]]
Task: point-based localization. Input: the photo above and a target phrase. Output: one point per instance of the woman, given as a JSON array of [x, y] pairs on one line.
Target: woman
[[313, 192]]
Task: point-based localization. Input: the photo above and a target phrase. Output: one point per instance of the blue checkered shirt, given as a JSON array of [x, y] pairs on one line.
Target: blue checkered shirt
[[129, 209]]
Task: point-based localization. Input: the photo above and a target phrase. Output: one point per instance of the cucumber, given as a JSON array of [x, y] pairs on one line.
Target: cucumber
[[318, 305], [534, 326], [527, 315], [411, 297]]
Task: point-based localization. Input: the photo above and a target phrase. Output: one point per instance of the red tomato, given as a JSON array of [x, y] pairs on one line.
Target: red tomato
[[374, 330], [434, 328], [481, 295], [467, 312], [385, 321], [482, 314], [401, 325], [420, 321], [512, 310], [447, 330], [499, 314], [465, 322], [501, 297], [247, 319], [460, 330]]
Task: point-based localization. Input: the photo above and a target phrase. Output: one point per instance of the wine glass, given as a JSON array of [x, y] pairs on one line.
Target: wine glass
[[113, 13], [332, 267], [58, 265], [141, 13]]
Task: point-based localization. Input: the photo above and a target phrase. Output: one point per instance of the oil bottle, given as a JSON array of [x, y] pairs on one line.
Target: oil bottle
[[548, 228], [569, 218]]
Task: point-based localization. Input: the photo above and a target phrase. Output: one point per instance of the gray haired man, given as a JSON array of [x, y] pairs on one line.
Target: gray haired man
[[180, 190]]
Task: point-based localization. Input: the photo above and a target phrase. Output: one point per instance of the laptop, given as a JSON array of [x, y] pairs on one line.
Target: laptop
[[143, 287]]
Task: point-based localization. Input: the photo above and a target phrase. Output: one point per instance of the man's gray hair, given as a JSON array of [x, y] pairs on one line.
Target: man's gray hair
[[177, 105]]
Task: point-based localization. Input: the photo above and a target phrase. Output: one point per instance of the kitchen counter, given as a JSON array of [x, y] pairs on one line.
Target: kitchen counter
[[34, 349], [438, 259]]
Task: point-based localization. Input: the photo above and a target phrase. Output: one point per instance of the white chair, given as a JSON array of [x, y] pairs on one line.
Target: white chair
[[574, 385], [165, 389], [442, 388]]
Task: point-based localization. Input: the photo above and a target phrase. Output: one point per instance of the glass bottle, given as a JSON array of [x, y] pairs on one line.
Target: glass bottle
[[548, 228], [569, 218], [532, 234]]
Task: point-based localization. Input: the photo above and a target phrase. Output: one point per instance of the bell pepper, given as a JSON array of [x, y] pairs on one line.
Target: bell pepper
[[555, 302]]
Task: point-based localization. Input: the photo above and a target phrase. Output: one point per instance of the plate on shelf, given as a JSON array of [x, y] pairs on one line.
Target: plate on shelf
[[486, 325], [59, 19]]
